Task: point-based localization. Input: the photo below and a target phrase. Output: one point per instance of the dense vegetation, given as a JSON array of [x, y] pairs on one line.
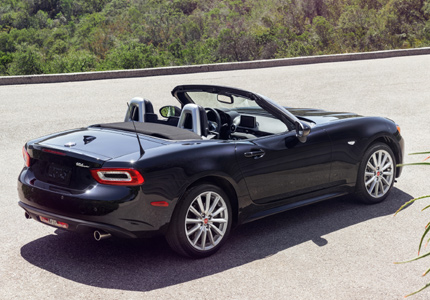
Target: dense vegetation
[[57, 36]]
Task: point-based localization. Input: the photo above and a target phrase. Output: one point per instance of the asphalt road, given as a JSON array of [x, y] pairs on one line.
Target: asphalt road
[[338, 249]]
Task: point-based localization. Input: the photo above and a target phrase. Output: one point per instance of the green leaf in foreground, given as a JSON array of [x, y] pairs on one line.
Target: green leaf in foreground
[[427, 228], [424, 287], [410, 202]]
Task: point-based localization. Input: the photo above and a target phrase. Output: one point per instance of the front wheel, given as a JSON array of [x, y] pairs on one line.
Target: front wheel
[[201, 223], [376, 174]]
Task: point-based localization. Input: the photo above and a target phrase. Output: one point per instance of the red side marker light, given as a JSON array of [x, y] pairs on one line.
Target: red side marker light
[[160, 203], [26, 156], [398, 128]]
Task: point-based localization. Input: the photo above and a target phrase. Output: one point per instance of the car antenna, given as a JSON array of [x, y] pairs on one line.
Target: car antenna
[[135, 130]]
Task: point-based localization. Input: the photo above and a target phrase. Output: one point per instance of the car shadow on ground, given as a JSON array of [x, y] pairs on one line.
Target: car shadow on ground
[[145, 265]]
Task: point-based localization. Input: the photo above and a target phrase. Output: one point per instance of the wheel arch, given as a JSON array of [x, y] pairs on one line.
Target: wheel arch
[[393, 146]]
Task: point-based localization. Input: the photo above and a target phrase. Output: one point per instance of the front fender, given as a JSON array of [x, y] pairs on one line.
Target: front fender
[[352, 137]]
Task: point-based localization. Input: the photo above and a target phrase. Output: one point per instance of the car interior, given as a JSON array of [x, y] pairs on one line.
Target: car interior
[[205, 122]]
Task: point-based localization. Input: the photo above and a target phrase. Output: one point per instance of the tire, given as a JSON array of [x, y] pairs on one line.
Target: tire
[[201, 223], [376, 174]]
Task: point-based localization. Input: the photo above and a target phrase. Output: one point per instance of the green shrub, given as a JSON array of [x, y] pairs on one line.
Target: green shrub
[[132, 56], [26, 61], [175, 32], [72, 62]]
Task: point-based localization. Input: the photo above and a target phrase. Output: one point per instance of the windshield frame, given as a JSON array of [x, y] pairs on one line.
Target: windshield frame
[[181, 94]]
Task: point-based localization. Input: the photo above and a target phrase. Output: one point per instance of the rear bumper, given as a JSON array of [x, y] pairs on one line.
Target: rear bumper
[[82, 226], [124, 212]]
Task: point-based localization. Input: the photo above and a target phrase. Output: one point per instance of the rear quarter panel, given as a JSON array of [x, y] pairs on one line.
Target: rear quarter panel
[[171, 169]]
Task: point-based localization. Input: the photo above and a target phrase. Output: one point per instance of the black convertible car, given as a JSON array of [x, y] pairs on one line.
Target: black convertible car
[[222, 157]]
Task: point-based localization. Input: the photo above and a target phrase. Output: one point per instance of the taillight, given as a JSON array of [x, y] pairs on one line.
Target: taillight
[[398, 128], [26, 156], [117, 176]]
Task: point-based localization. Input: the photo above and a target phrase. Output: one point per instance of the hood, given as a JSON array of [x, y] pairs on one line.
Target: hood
[[319, 116]]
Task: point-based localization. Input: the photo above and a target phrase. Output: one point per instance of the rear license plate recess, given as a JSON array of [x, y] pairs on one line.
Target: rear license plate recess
[[59, 174]]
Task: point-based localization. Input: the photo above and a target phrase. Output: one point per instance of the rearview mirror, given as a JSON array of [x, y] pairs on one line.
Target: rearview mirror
[[225, 99], [302, 131], [170, 111]]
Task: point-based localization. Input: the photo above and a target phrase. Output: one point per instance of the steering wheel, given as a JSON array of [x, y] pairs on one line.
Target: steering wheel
[[214, 126]]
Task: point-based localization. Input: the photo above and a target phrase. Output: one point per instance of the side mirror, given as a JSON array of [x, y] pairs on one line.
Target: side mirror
[[170, 111], [302, 131]]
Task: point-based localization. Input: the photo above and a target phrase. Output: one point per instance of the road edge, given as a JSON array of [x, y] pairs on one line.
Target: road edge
[[177, 70]]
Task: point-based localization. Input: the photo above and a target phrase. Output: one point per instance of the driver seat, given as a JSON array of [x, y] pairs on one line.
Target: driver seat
[[193, 117]]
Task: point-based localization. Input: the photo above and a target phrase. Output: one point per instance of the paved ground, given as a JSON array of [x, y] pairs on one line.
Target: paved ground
[[333, 250]]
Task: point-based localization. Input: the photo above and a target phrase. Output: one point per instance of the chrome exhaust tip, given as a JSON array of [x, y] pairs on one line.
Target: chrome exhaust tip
[[27, 215], [98, 236]]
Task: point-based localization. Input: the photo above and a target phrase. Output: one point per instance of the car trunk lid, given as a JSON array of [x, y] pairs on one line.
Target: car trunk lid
[[65, 159], [97, 143]]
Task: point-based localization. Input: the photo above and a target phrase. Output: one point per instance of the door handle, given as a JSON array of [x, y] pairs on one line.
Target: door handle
[[256, 154]]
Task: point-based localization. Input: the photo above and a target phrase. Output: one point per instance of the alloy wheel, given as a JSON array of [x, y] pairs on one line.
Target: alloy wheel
[[206, 221], [379, 173]]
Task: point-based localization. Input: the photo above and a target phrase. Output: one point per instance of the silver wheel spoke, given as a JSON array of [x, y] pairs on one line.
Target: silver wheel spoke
[[375, 159], [388, 165], [377, 188], [194, 229], [385, 181], [220, 210], [211, 237], [384, 160], [192, 221], [218, 221], [371, 166], [208, 202], [214, 204], [370, 180], [200, 203], [372, 187], [198, 235], [217, 230], [194, 211], [204, 238]]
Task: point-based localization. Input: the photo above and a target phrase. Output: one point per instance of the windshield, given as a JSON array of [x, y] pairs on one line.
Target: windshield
[[249, 120]]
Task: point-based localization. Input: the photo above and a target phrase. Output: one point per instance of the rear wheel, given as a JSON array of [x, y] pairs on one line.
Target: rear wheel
[[376, 174], [201, 223]]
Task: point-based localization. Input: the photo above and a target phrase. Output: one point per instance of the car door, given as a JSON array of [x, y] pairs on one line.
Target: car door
[[279, 167]]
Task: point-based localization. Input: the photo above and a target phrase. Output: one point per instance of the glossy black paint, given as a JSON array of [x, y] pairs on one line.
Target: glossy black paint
[[262, 176], [288, 167]]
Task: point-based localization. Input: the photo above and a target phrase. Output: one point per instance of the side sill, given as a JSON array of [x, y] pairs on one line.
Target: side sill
[[282, 208]]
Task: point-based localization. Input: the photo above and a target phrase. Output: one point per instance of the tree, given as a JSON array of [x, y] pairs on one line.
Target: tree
[[26, 61]]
